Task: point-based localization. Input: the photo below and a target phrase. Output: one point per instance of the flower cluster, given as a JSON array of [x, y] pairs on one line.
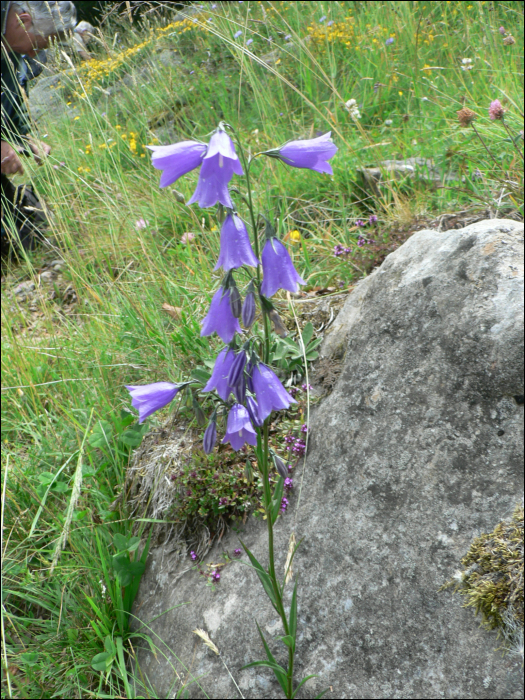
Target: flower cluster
[[249, 387]]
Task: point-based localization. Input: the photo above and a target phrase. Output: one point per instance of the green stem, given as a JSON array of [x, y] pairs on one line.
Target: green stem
[[264, 467]]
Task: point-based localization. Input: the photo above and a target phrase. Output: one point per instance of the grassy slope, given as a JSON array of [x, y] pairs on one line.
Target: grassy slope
[[68, 369]]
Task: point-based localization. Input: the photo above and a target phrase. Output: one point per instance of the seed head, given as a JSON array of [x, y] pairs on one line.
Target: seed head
[[204, 636], [466, 116]]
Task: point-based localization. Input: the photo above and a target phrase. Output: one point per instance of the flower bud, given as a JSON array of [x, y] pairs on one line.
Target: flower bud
[[248, 310], [235, 302], [280, 466], [278, 325], [210, 437], [253, 410], [239, 391], [237, 369]]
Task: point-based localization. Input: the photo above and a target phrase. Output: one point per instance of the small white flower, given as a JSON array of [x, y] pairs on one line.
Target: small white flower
[[388, 122], [353, 109], [466, 64]]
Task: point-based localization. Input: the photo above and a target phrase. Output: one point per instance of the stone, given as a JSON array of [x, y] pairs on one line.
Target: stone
[[422, 169], [24, 287], [407, 463]]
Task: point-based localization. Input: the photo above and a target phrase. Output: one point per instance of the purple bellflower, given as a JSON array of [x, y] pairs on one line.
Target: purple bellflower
[[253, 410], [235, 245], [218, 166], [210, 437], [279, 272], [219, 377], [177, 159], [149, 398], [239, 428], [248, 309], [269, 392], [310, 153], [236, 375], [220, 318]]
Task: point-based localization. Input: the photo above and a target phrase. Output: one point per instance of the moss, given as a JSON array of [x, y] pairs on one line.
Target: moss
[[492, 580]]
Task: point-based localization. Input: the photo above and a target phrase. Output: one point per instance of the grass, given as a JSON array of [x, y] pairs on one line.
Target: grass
[[68, 349]]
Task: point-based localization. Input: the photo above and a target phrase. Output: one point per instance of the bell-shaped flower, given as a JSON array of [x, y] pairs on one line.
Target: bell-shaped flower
[[149, 398], [239, 428], [219, 376], [235, 245], [269, 392], [309, 153], [218, 166], [177, 159], [220, 318], [278, 269]]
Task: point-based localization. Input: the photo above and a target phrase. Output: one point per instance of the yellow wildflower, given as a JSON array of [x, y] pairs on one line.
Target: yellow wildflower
[[295, 236]]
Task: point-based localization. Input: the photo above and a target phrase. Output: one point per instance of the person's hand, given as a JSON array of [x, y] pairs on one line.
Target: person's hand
[[40, 149], [11, 163]]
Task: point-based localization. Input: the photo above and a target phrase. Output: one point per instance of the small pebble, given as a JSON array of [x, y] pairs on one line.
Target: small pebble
[[46, 276], [24, 287]]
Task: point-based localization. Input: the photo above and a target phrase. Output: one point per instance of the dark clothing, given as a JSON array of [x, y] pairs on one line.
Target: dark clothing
[[22, 216]]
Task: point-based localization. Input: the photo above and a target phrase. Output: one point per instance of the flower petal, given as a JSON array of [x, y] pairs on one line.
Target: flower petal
[[235, 245], [177, 159]]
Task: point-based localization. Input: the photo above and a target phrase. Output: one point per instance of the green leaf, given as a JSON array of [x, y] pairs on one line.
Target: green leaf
[[268, 664], [101, 434], [293, 614], [201, 375], [277, 499], [120, 542], [306, 678], [288, 640], [132, 436], [109, 646], [281, 677], [322, 693], [263, 576], [102, 662], [133, 543], [307, 333], [311, 356], [125, 569], [30, 658]]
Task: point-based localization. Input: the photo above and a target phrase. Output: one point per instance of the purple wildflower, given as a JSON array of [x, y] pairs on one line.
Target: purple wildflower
[[210, 437], [250, 41], [149, 398], [235, 245], [293, 391], [193, 555], [223, 501], [239, 428], [177, 159], [289, 439], [220, 318], [216, 575], [270, 393], [237, 552], [248, 310], [322, 18], [253, 410], [278, 269], [361, 241], [237, 369], [287, 37], [309, 153], [305, 387], [284, 505], [299, 448], [288, 483], [221, 371], [218, 166], [360, 222], [496, 110], [502, 31], [372, 219], [329, 23], [237, 34], [389, 41], [304, 428]]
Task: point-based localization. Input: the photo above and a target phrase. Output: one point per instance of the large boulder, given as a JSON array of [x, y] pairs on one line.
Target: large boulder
[[418, 449]]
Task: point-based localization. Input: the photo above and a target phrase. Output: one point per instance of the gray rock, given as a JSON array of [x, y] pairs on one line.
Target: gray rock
[[24, 287], [407, 463], [414, 168]]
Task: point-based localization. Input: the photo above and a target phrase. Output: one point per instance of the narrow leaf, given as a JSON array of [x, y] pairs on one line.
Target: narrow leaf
[[307, 678], [292, 622], [277, 499], [281, 677], [263, 576]]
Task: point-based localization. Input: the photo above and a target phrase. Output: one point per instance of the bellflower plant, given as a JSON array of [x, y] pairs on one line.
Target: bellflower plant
[[248, 390]]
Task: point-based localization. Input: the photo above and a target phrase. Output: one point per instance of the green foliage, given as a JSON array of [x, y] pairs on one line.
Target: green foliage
[[289, 355]]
